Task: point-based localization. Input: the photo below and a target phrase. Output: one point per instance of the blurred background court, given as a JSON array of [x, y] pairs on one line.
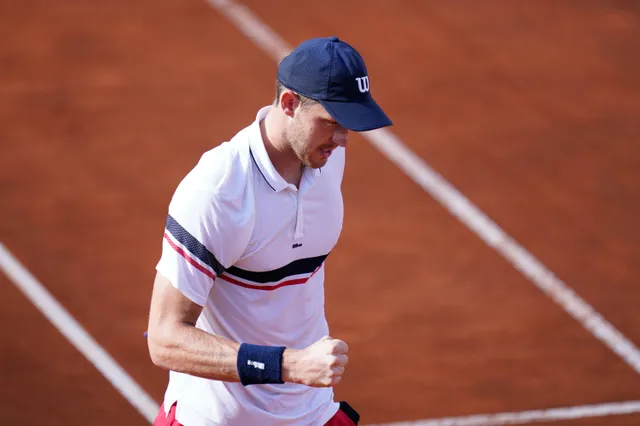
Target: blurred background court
[[531, 109]]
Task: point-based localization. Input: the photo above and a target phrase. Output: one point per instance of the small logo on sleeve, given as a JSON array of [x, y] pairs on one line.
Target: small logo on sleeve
[[296, 245]]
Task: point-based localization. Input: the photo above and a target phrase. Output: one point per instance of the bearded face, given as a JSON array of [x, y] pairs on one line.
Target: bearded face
[[313, 135]]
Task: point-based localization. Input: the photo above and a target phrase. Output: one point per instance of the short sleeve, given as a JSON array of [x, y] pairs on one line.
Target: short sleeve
[[207, 228]]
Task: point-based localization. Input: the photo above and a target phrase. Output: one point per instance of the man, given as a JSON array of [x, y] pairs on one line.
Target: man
[[237, 311]]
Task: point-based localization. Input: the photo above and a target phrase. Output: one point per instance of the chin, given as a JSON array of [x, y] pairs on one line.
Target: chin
[[316, 164]]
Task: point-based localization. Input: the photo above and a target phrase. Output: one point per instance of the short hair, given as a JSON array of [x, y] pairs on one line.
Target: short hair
[[304, 101]]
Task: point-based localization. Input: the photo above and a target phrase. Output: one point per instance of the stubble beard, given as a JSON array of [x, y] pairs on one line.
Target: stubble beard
[[296, 139]]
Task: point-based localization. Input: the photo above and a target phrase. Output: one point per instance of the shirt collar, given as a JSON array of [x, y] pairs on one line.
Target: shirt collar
[[261, 158]]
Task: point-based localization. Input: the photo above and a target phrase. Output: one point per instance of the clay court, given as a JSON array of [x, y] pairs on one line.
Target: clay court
[[529, 109]]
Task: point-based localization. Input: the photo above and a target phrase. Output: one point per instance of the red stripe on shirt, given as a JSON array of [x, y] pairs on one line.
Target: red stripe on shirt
[[297, 281], [189, 259]]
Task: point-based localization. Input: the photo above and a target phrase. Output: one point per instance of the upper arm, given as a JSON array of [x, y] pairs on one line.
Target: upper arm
[[169, 307], [170, 311]]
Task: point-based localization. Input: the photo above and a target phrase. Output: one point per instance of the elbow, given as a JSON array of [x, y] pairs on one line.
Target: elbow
[[158, 351]]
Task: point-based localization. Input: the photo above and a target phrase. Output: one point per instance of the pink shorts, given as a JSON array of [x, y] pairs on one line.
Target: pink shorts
[[346, 416]]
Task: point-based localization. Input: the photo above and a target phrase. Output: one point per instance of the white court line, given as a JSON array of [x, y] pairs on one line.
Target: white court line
[[533, 416], [456, 203], [78, 336]]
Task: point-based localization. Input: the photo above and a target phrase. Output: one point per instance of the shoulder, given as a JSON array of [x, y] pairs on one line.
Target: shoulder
[[218, 189], [222, 171]]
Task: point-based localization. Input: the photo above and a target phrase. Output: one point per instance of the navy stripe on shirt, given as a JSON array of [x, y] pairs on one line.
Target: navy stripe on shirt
[[297, 267], [195, 247]]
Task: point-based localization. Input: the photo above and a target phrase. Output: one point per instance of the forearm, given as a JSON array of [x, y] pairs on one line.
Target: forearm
[[187, 349]]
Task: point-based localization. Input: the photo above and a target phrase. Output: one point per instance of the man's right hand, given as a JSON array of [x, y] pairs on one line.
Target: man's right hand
[[320, 364]]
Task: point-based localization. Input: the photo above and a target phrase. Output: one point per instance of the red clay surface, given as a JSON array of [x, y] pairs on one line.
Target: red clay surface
[[529, 108]]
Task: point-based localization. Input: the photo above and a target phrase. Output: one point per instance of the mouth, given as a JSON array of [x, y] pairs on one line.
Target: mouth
[[326, 151]]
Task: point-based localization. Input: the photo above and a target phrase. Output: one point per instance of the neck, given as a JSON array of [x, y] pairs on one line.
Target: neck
[[282, 156]]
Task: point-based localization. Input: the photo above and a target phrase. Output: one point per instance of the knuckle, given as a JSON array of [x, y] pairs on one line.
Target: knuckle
[[342, 360]]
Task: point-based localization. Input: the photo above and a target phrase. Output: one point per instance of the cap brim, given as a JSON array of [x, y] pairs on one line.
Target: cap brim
[[358, 117]]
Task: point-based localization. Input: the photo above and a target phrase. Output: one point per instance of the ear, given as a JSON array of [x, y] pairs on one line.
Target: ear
[[289, 102]]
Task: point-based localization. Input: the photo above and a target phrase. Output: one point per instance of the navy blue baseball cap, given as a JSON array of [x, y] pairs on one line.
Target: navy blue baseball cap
[[333, 73]]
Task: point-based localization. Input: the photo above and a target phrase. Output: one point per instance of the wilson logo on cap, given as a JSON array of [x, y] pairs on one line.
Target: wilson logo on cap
[[363, 84]]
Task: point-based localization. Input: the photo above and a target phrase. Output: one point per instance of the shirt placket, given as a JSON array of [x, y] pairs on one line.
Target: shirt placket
[[307, 181], [299, 228]]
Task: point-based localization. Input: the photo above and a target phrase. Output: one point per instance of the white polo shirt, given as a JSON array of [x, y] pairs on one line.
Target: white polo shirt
[[250, 248]]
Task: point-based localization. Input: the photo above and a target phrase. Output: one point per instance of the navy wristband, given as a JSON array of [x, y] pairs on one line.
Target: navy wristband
[[260, 364]]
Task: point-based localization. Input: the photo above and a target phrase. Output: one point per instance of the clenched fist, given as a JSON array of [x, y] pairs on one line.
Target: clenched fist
[[319, 365]]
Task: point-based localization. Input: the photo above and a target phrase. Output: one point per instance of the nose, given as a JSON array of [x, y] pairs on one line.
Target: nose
[[340, 137]]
